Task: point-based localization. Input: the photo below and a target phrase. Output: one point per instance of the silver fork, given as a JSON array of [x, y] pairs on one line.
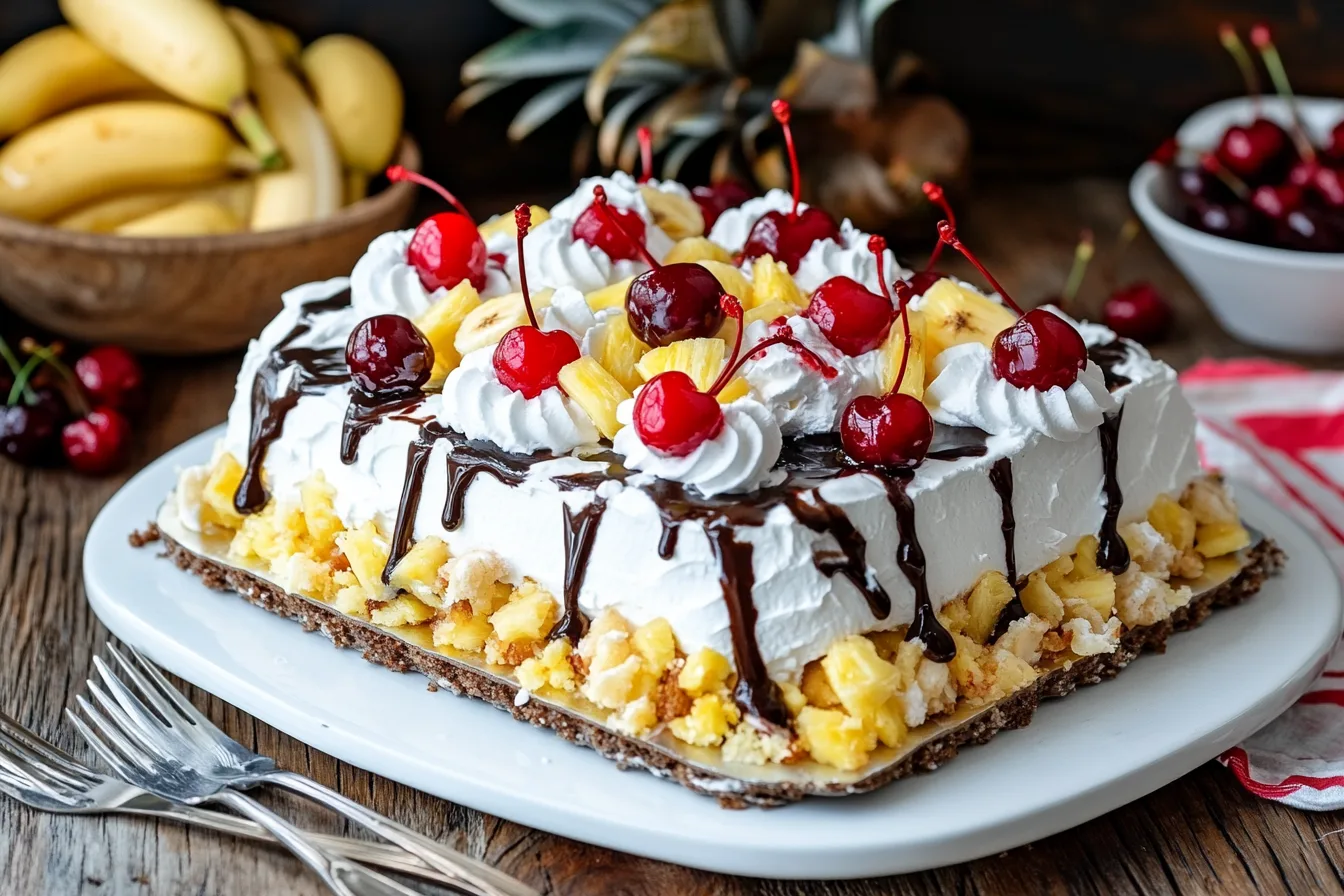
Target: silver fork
[[41, 775], [149, 766], [181, 731]]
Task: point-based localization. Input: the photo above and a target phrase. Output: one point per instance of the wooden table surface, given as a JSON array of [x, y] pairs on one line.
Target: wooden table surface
[[1199, 834]]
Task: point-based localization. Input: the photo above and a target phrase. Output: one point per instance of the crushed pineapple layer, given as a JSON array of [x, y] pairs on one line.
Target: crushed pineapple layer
[[867, 690]]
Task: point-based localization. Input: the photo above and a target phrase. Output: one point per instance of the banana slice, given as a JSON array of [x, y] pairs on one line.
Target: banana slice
[[486, 325], [954, 314], [676, 215]]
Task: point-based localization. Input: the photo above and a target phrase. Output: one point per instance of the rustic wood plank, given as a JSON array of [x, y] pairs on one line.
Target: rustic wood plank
[[1201, 834]]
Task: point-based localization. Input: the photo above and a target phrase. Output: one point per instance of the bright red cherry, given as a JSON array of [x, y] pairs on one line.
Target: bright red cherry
[[593, 229], [111, 376], [528, 359], [673, 417], [98, 443], [854, 319], [667, 303], [1137, 312], [718, 197], [788, 237], [446, 248], [1262, 149], [388, 355], [1040, 351], [1276, 202]]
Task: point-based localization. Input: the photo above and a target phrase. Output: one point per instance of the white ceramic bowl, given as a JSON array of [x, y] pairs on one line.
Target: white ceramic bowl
[[1277, 298]]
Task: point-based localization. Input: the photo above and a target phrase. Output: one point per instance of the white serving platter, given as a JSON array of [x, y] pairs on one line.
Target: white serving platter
[[1081, 757]]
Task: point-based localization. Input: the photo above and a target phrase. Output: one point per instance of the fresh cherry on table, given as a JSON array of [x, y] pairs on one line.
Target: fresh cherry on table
[[528, 359], [787, 237], [668, 302], [28, 432], [1137, 311], [853, 318], [111, 377], [716, 198], [98, 443], [387, 355], [446, 248]]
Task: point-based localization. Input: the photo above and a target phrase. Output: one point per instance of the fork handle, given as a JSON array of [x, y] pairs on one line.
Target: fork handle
[[473, 877]]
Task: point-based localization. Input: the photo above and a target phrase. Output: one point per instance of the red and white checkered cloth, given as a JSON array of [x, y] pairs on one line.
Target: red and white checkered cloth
[[1281, 429]]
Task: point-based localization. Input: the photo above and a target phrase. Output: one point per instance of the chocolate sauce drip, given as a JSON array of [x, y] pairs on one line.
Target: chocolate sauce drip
[[816, 458], [1112, 552], [756, 692], [956, 442], [366, 411], [823, 517], [417, 457], [313, 369], [580, 533], [938, 643], [667, 541], [1106, 356], [1001, 477], [468, 459]]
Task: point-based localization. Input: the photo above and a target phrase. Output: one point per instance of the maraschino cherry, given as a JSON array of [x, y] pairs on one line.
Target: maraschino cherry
[[388, 356], [673, 417], [668, 302], [920, 281], [528, 359], [892, 430], [788, 237], [854, 318], [1261, 150], [716, 198], [446, 248]]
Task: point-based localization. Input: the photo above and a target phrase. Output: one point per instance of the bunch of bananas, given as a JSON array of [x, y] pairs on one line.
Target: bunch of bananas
[[182, 117]]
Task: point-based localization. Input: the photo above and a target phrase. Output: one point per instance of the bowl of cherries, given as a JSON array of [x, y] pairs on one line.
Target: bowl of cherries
[[1248, 201]]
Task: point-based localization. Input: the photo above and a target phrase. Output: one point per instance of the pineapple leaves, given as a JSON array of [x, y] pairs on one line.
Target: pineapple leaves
[[617, 117], [681, 151], [476, 93], [544, 105], [540, 52], [548, 13]]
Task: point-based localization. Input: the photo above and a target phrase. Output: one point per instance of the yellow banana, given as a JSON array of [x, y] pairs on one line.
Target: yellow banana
[[107, 215], [184, 46], [56, 70], [195, 217], [360, 97], [311, 189], [285, 40], [99, 151]]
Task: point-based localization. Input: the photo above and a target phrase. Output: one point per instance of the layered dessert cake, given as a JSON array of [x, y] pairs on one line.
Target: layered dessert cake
[[727, 495]]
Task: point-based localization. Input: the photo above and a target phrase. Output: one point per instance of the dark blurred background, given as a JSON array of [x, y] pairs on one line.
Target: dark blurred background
[[1050, 87]]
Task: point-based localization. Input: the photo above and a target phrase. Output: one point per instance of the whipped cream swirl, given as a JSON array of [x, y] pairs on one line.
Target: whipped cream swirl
[[848, 258], [554, 258], [802, 400], [568, 311], [622, 192], [966, 393], [384, 282], [733, 226], [479, 406], [738, 459]]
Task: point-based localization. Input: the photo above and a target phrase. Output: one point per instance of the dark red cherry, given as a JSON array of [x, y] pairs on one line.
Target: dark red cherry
[[1334, 144], [893, 430], [788, 237], [98, 443], [718, 197], [446, 248], [673, 416], [620, 243], [1040, 351], [1276, 201], [1233, 220], [1307, 229], [387, 355], [854, 319], [1257, 152], [28, 432], [674, 302], [111, 376], [528, 360], [1137, 312]]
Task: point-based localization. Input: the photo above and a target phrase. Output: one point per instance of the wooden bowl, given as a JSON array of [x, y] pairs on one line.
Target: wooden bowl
[[183, 295]]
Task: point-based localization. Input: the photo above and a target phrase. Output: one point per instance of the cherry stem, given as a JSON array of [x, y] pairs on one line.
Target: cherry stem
[[1263, 42], [827, 370], [645, 152], [878, 246], [1209, 162], [948, 234], [733, 308], [522, 219], [935, 195], [1082, 256], [74, 392], [1231, 42], [398, 173], [600, 200], [21, 378], [15, 368], [783, 113]]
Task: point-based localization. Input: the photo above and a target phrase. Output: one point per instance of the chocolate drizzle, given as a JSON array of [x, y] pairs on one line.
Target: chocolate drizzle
[[468, 459], [580, 533], [1112, 552], [313, 369], [366, 411], [938, 643], [852, 562], [1106, 356], [1001, 477], [417, 456]]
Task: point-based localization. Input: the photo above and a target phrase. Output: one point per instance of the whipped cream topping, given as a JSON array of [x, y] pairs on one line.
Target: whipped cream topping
[[804, 401], [848, 258], [568, 311], [479, 406], [554, 258], [738, 459], [733, 226], [622, 192], [383, 282], [966, 392]]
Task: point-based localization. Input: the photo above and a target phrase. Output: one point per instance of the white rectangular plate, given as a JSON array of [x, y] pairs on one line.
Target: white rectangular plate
[[1162, 717]]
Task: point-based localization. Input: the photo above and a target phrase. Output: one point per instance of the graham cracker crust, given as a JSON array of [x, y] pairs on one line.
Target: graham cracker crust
[[1016, 711]]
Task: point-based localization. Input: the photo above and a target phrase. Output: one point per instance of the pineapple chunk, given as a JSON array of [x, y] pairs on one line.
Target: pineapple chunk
[[507, 225], [217, 496], [698, 248], [816, 687], [1219, 539], [1097, 590], [487, 323], [987, 599], [894, 346], [418, 572], [769, 312], [733, 281], [834, 738], [461, 629], [440, 324], [401, 611], [550, 669], [954, 315], [528, 616], [708, 722], [610, 296], [1041, 600], [705, 671], [862, 681], [1173, 522], [1085, 559], [678, 216], [700, 359], [656, 643], [1056, 570], [596, 391], [367, 553], [319, 515], [771, 281], [618, 350], [734, 389]]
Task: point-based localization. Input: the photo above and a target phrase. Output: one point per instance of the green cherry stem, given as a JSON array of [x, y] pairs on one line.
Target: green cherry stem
[[16, 370], [1264, 42], [1082, 255], [74, 392]]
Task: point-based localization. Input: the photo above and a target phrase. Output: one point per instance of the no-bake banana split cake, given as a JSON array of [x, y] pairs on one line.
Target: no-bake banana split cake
[[727, 495]]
